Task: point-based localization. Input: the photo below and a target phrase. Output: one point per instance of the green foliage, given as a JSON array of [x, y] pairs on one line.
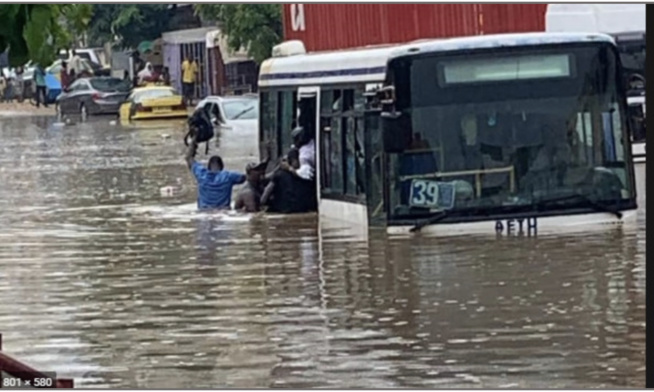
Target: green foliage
[[36, 31], [257, 27], [128, 23]]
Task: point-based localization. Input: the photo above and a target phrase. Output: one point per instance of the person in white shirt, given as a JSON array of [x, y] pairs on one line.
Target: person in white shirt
[[307, 150], [75, 64]]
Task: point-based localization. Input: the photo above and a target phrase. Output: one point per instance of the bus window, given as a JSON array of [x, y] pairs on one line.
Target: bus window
[[342, 163], [349, 131], [268, 123], [336, 158], [287, 112]]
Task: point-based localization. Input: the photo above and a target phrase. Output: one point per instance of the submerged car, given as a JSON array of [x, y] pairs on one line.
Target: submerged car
[[93, 96], [239, 113], [235, 119], [153, 102]]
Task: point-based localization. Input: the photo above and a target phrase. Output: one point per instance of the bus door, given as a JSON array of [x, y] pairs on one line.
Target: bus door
[[309, 119]]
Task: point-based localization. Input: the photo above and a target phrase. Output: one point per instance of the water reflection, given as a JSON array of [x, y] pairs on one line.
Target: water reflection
[[105, 280]]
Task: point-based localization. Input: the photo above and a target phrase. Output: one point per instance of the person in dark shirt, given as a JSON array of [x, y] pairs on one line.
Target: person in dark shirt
[[249, 197], [287, 193], [64, 76]]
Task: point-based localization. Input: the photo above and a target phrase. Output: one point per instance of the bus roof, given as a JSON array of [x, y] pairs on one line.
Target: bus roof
[[337, 67], [368, 65], [498, 41]]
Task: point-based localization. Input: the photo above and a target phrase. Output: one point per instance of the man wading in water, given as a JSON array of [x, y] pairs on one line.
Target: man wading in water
[[248, 198], [214, 183]]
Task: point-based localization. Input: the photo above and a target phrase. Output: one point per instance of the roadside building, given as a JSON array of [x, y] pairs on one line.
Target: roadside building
[[221, 71], [181, 43], [230, 72]]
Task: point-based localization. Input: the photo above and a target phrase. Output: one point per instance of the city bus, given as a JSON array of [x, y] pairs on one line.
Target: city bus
[[514, 134]]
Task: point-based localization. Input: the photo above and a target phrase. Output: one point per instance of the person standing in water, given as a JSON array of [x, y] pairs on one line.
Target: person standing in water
[[214, 183], [248, 198]]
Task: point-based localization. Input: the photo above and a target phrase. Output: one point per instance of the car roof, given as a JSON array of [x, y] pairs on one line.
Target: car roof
[[218, 98], [146, 88]]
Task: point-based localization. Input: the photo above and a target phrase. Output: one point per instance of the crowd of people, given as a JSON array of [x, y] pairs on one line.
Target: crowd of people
[[289, 188]]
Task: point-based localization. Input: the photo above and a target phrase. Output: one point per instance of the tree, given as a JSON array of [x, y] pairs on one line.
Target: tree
[[128, 24], [37, 31], [257, 27]]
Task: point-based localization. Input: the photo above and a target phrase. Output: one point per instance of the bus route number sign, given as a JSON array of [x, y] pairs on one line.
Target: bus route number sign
[[431, 194]]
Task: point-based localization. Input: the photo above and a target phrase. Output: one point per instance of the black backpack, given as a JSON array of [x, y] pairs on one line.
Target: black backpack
[[200, 126]]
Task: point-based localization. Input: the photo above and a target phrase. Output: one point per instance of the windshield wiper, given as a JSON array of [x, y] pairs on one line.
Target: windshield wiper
[[597, 206], [437, 217], [251, 108]]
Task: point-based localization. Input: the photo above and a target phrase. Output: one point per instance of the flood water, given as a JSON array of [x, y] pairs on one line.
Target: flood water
[[106, 280]]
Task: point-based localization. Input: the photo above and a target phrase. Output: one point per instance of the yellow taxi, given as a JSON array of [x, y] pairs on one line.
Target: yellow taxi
[[153, 102]]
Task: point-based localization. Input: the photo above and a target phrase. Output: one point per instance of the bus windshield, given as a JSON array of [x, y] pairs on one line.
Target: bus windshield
[[533, 130]]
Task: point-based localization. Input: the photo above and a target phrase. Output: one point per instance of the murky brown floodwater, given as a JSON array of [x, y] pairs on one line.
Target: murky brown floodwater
[[105, 280]]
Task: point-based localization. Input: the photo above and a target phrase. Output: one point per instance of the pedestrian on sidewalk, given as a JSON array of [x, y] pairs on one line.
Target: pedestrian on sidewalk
[[64, 76], [189, 75], [39, 79]]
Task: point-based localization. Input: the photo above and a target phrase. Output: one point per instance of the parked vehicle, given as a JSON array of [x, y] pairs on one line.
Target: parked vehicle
[[93, 96], [90, 58], [87, 69], [153, 102]]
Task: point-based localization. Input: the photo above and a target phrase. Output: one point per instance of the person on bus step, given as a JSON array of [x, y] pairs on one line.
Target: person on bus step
[[287, 193], [249, 197], [306, 146]]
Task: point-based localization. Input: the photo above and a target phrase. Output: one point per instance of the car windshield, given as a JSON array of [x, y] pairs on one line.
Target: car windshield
[[110, 84], [241, 109], [152, 94], [493, 134]]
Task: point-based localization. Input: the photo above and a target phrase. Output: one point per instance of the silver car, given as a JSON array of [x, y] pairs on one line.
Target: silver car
[[93, 96]]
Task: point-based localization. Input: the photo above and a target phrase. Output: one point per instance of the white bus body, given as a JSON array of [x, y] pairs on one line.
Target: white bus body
[[293, 76]]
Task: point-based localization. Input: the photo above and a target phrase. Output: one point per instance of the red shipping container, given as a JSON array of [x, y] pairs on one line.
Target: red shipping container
[[339, 26]]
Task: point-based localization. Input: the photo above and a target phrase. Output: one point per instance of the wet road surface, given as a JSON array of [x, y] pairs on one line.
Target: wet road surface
[[105, 279]]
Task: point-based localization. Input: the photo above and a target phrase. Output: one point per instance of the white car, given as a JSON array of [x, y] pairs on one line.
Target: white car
[[236, 121]]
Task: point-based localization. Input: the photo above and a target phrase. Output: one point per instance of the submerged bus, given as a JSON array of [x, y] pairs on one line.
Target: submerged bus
[[511, 134]]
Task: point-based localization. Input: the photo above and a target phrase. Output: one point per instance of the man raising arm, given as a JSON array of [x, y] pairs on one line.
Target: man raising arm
[[214, 184]]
